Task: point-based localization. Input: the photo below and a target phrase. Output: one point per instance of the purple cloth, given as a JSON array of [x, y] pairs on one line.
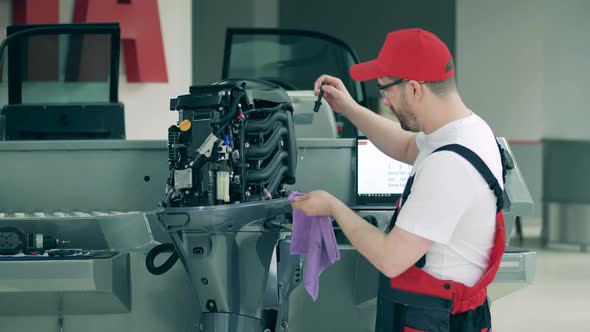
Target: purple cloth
[[314, 238]]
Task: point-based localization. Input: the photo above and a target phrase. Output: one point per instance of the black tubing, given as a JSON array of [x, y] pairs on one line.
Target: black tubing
[[258, 125], [261, 151], [231, 113], [264, 174], [291, 150], [273, 184], [151, 256]]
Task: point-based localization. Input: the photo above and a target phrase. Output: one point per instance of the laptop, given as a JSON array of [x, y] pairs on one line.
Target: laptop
[[379, 179]]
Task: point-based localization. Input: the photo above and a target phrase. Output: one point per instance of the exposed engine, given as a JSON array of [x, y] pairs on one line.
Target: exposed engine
[[234, 142]]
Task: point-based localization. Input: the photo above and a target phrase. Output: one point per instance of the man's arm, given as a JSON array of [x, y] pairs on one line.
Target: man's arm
[[392, 253], [387, 135]]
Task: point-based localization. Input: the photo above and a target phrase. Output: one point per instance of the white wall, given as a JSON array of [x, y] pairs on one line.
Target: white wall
[[500, 67], [146, 104], [524, 65], [567, 69]]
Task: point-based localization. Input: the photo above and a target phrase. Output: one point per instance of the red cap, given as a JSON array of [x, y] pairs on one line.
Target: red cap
[[413, 54]]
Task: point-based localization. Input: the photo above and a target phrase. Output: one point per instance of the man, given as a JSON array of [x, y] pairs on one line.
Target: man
[[447, 234]]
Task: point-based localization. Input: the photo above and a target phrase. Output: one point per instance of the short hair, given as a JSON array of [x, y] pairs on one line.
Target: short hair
[[441, 88]]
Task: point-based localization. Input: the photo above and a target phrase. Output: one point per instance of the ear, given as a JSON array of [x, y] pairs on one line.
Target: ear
[[416, 89]]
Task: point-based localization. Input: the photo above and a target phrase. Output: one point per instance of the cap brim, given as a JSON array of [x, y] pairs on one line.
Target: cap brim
[[366, 71]]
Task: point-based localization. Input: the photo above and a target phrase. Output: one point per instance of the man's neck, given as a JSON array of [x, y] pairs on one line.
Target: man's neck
[[444, 110]]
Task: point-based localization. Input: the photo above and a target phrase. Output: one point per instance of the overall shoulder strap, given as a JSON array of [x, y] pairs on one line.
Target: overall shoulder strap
[[481, 167]]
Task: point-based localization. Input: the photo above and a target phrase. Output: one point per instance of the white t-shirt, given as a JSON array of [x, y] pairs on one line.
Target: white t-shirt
[[450, 202]]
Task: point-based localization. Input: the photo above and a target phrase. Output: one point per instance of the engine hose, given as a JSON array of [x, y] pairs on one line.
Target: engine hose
[[151, 256], [273, 184], [270, 109], [242, 164], [255, 126], [232, 112], [291, 149], [264, 174], [261, 151]]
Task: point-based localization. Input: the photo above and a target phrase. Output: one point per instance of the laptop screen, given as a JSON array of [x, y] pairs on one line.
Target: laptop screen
[[380, 179]]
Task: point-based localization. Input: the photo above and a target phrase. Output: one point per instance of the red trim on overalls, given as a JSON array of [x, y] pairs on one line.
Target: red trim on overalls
[[464, 298]]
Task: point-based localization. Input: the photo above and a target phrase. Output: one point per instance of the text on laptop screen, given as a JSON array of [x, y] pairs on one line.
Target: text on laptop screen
[[377, 173]]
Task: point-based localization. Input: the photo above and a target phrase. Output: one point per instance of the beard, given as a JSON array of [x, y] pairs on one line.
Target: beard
[[406, 119]]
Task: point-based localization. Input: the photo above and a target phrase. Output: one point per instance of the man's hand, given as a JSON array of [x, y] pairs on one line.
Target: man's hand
[[335, 93], [315, 203], [391, 254]]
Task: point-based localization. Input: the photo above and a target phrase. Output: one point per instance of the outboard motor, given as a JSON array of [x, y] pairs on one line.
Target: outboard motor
[[226, 207], [234, 142]]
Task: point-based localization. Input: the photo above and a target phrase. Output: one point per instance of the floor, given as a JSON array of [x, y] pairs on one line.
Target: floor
[[559, 300]]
